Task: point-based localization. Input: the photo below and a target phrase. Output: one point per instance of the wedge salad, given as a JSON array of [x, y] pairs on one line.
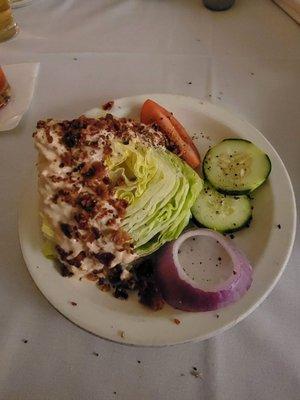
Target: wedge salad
[[119, 197]]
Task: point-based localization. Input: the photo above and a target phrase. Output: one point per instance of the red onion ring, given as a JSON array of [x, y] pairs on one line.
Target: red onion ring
[[181, 292]]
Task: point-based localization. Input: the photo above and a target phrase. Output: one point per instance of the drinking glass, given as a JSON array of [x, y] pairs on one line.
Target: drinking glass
[[8, 27]]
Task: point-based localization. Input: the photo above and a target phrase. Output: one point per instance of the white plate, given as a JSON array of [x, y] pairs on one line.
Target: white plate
[[267, 246]]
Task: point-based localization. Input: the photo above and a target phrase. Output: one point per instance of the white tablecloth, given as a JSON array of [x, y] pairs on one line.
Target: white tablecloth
[[246, 59]]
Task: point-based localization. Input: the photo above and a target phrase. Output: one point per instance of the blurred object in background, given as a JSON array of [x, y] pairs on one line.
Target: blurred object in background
[[291, 7], [4, 89], [218, 5], [8, 27], [20, 3]]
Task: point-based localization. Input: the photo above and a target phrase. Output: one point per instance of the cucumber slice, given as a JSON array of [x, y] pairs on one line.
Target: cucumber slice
[[236, 166], [221, 212]]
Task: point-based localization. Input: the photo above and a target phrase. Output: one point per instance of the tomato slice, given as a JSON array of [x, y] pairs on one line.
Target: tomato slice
[[153, 113]]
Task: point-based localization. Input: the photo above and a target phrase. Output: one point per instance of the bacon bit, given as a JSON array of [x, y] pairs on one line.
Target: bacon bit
[[66, 229], [48, 135], [81, 219], [73, 303], [120, 205], [88, 237], [120, 181], [103, 213], [76, 261], [41, 124], [106, 180], [88, 172], [120, 237], [107, 151], [65, 272], [87, 202], [176, 321], [108, 106], [102, 191], [72, 132], [72, 138], [96, 232], [62, 253], [65, 195], [103, 284], [91, 277], [56, 179], [111, 222], [67, 159], [96, 169], [79, 167], [105, 258]]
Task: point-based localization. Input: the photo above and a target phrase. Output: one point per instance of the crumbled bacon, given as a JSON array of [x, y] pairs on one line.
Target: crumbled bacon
[[120, 237], [106, 180], [79, 167], [64, 195], [107, 151], [87, 202], [66, 229], [96, 169], [120, 181], [82, 219], [67, 159], [48, 135], [102, 191], [103, 284], [108, 106], [56, 179], [86, 186], [92, 277], [62, 253], [120, 205], [76, 261], [96, 232], [105, 258], [65, 271], [72, 132], [41, 124]]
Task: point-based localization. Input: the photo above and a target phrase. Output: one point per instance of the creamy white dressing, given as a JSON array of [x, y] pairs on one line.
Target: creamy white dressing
[[49, 165]]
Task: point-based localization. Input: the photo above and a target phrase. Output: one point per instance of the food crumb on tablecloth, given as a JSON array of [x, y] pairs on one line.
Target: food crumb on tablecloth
[[197, 374]]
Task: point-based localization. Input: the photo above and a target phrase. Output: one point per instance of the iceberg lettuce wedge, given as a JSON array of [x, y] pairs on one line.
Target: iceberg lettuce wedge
[[160, 189]]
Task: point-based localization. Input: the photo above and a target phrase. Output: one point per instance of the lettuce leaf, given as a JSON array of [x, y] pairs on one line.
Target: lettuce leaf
[[48, 247], [160, 189]]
